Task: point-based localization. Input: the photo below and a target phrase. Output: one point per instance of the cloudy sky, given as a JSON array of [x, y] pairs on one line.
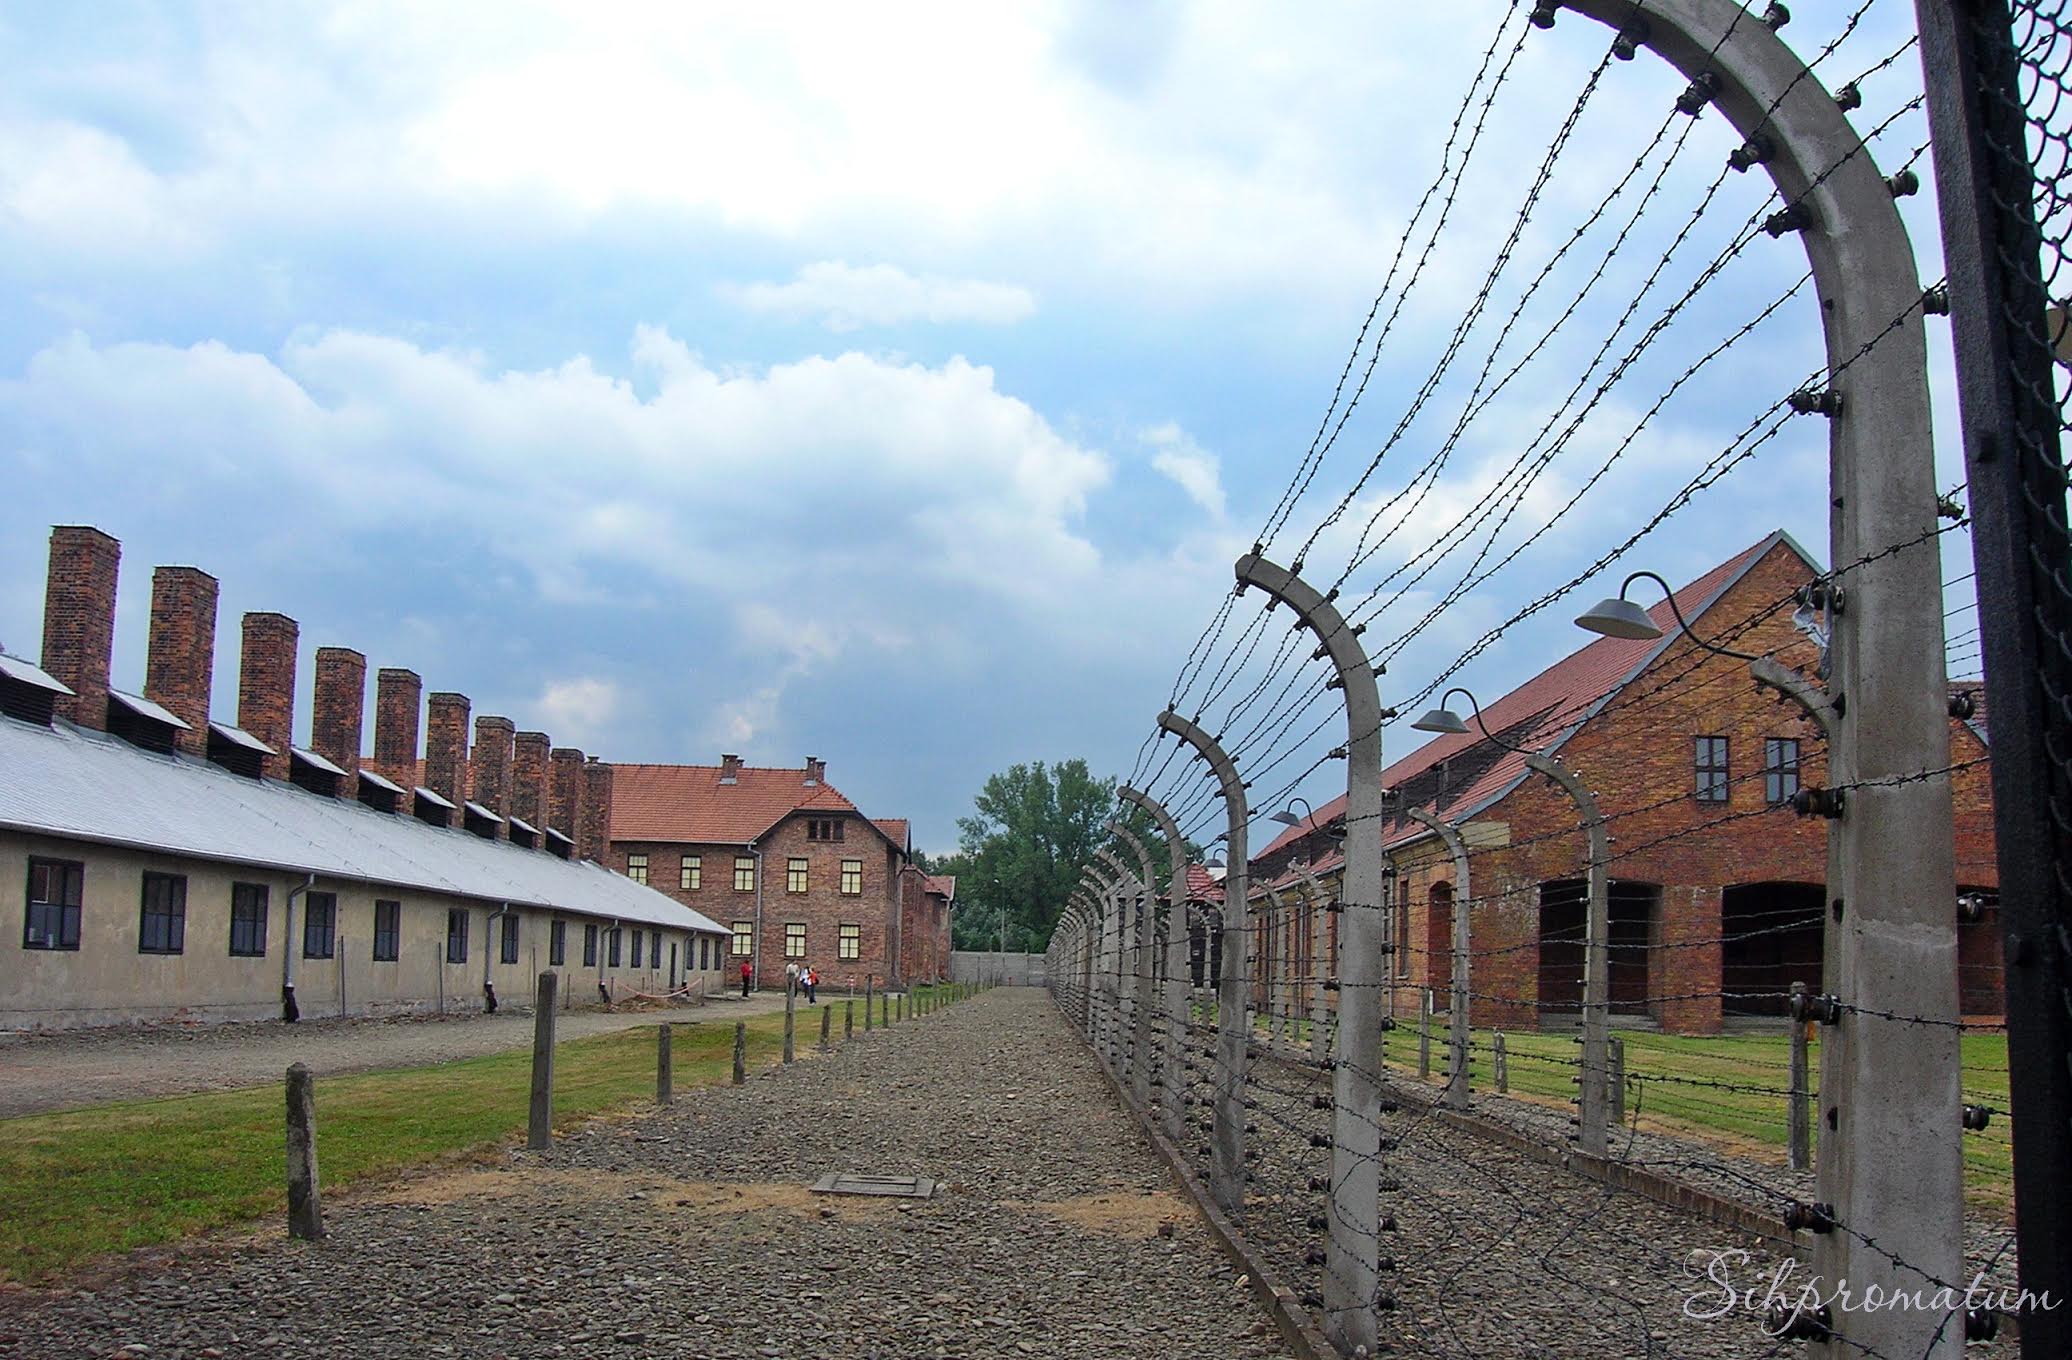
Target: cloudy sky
[[894, 384]]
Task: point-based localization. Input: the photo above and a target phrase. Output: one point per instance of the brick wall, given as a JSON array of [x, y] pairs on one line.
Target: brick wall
[[398, 695], [490, 770], [79, 620], [529, 778], [446, 747], [266, 685], [593, 841], [565, 790], [338, 712]]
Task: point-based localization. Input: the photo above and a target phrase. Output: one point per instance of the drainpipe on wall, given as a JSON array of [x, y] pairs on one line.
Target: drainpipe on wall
[[290, 1012], [489, 946]]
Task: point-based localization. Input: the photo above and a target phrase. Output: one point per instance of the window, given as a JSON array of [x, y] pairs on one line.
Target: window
[[388, 930], [248, 920], [1780, 768], [164, 928], [637, 942], [617, 945], [824, 828], [1712, 769], [852, 877], [744, 939], [319, 925], [557, 944], [744, 873], [456, 934], [636, 868], [655, 950], [53, 916], [589, 946], [795, 875], [850, 943], [509, 951], [704, 953], [693, 872], [794, 939]]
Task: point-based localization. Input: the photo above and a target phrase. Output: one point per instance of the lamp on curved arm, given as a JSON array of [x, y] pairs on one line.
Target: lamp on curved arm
[[1621, 618], [1446, 722]]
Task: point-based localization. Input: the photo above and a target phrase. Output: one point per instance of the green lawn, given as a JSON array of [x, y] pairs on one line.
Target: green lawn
[[1728, 1090], [81, 1183]]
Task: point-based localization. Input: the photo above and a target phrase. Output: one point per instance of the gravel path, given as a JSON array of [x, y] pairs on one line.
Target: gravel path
[[70, 1068], [689, 1233]]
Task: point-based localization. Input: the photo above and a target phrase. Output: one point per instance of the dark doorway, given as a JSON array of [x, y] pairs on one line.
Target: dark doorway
[[1771, 938], [1439, 936], [1633, 911]]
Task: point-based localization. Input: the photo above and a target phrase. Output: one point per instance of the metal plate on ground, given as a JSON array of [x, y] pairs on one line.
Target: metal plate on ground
[[863, 1183]]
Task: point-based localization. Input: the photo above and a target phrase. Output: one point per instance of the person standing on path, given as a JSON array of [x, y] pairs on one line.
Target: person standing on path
[[747, 976], [811, 981]]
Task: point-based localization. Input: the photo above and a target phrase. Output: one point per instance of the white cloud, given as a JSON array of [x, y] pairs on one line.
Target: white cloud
[[579, 709], [1191, 467], [845, 297]]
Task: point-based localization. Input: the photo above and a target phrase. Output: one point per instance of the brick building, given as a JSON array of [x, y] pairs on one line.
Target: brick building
[[1718, 888], [176, 866], [782, 858]]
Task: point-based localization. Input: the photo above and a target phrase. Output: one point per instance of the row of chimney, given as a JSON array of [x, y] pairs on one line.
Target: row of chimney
[[508, 772]]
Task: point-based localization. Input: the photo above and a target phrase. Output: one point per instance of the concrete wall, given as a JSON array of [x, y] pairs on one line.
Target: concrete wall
[[107, 981], [1020, 970]]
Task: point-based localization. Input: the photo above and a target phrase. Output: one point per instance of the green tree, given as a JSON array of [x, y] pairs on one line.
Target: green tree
[[1032, 832]]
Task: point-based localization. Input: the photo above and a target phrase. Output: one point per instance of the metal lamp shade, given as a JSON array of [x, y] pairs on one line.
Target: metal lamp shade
[[1619, 618], [1442, 720]]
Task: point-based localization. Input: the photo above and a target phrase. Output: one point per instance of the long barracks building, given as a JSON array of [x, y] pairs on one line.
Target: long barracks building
[[160, 862]]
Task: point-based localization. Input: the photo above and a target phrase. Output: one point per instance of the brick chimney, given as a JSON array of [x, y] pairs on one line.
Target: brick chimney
[[79, 620], [397, 694], [180, 667], [816, 770], [491, 767], [730, 769], [565, 791], [446, 745], [529, 778], [595, 838], [340, 712], [266, 686]]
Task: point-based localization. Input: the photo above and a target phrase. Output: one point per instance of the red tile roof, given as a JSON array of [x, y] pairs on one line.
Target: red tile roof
[[1203, 885], [689, 803], [945, 884], [896, 830], [1541, 713]]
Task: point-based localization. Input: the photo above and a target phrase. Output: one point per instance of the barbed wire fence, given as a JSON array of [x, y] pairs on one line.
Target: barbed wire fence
[[1559, 1082]]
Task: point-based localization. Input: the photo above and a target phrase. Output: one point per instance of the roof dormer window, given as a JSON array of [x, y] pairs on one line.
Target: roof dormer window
[[28, 693], [140, 722], [237, 750], [308, 770]]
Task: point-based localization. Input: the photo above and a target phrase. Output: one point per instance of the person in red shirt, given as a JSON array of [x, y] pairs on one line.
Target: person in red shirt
[[747, 976]]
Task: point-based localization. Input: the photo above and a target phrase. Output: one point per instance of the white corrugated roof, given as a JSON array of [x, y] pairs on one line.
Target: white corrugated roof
[[239, 737], [66, 781], [144, 708], [14, 668], [311, 758]]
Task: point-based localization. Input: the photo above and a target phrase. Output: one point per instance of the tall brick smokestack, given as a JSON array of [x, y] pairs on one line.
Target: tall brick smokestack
[[446, 746], [266, 686], [397, 698], [179, 668], [529, 778], [491, 777], [565, 791], [339, 712], [595, 837], [79, 620]]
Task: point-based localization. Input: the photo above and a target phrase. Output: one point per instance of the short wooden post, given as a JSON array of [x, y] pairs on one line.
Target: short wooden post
[[665, 1078], [791, 999], [1501, 1061], [884, 1008], [1801, 1107], [848, 1020], [305, 1210], [867, 992], [827, 1020], [539, 1119], [1424, 1034], [740, 1052], [1617, 1059]]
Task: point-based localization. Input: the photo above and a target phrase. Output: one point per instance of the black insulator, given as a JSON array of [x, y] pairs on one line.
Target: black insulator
[[1698, 94], [1797, 217], [1816, 1217], [1976, 1117]]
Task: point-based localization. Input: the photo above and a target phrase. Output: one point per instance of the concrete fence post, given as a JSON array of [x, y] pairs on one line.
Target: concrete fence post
[[867, 998], [1172, 1069], [1459, 1019], [1233, 1037], [740, 1051], [827, 1020], [1500, 1063], [1595, 1075], [539, 1118], [848, 1020], [665, 1072], [1801, 1106], [305, 1208], [1352, 1271], [1141, 970]]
